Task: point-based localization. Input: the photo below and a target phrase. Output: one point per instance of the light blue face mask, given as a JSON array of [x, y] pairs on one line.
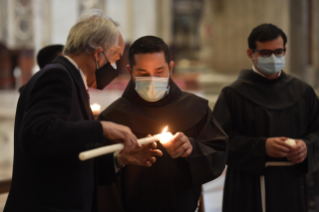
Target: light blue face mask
[[271, 65], [151, 89]]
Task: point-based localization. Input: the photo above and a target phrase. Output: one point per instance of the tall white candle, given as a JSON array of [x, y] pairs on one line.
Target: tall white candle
[[113, 148]]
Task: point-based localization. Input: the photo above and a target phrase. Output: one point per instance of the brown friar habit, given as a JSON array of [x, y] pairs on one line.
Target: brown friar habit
[[252, 109], [170, 184]]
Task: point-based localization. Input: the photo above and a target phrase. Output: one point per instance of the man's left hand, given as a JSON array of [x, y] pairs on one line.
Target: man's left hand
[[298, 152], [180, 146]]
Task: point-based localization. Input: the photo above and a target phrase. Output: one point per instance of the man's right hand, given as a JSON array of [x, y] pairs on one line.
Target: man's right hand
[[277, 148], [144, 156], [120, 134]]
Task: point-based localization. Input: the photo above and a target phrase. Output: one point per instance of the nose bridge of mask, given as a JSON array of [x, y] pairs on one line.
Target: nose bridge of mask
[[266, 60], [271, 60], [144, 81], [152, 79]]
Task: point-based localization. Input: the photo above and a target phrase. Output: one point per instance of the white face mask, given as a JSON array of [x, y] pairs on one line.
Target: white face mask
[[271, 65], [151, 89]]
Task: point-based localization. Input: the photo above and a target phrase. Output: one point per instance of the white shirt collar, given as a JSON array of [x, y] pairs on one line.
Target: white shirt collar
[[261, 74], [77, 67]]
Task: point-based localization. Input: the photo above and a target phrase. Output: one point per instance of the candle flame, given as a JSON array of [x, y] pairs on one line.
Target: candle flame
[[165, 129], [165, 137], [95, 107]]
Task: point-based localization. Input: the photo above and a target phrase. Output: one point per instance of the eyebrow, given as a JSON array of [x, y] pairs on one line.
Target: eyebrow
[[142, 70], [160, 68]]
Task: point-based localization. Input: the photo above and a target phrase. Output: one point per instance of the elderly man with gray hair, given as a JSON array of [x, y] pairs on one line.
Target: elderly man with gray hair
[[54, 123]]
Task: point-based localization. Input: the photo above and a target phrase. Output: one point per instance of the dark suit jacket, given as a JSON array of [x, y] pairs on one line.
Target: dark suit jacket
[[53, 124]]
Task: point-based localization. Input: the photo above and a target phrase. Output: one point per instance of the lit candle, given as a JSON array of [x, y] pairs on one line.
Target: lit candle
[[96, 108], [113, 148], [165, 139]]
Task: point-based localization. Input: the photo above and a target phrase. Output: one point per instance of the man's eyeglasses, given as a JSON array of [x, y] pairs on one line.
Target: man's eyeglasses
[[268, 53]]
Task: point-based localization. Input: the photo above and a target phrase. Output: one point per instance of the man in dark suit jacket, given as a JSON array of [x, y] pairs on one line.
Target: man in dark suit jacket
[[54, 123]]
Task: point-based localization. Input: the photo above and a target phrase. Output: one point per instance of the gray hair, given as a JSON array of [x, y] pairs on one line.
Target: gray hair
[[93, 30]]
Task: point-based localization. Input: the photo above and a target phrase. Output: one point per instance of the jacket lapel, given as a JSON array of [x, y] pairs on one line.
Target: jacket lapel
[[79, 84]]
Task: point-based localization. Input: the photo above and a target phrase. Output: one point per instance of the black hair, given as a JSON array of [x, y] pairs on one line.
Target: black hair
[[263, 33], [148, 44], [48, 54]]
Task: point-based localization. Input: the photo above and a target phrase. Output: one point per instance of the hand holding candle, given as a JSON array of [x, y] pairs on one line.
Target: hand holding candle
[[277, 148], [114, 131], [177, 145], [298, 151]]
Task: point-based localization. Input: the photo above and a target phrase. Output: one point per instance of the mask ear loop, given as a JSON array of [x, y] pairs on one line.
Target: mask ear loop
[[97, 66], [105, 57], [168, 85], [105, 60]]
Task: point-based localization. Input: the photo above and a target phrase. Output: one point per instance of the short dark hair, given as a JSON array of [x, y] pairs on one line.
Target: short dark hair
[[263, 33], [148, 44], [48, 54]]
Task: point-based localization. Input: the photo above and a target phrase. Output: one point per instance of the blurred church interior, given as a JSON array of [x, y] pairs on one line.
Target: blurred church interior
[[207, 38]]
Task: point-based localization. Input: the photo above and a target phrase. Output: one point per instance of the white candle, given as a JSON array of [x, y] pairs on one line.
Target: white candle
[[290, 141], [113, 148]]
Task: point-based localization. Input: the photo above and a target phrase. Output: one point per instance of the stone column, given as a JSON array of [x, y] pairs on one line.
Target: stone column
[[42, 27], [3, 21], [164, 20], [145, 14], [10, 23], [64, 15], [119, 10], [299, 38], [315, 37]]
